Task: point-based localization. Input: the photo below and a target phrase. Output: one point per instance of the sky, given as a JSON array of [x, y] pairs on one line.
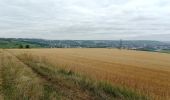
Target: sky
[[85, 19]]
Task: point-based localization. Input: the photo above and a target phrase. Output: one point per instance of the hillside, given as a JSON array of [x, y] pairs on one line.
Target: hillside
[[142, 45], [16, 43]]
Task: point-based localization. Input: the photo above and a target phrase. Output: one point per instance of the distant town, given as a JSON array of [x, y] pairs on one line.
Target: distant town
[[144, 45]]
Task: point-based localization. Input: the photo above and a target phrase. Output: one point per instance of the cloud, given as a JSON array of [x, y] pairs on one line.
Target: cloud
[[85, 19]]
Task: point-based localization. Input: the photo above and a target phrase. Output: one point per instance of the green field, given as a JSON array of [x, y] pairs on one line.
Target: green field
[[12, 43], [165, 51]]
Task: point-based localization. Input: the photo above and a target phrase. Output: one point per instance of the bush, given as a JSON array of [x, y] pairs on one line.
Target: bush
[[27, 46], [20, 46]]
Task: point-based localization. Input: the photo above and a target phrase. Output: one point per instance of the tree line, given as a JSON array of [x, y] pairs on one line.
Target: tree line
[[22, 46]]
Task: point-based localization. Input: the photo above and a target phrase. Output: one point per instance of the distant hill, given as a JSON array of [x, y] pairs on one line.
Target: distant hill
[[144, 45], [16, 43]]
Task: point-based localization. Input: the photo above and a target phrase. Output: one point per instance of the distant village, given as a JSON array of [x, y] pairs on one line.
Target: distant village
[[144, 45]]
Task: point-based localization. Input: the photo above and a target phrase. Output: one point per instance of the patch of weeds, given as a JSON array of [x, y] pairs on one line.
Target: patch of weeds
[[8, 76], [50, 93], [122, 93], [66, 72]]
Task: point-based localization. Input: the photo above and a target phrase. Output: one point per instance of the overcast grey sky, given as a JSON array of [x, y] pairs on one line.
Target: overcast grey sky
[[85, 19]]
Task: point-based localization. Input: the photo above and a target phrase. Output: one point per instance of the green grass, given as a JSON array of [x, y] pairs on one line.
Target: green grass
[[18, 82], [7, 43]]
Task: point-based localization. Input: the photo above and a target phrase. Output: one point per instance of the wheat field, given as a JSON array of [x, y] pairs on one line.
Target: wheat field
[[145, 72], [24, 76]]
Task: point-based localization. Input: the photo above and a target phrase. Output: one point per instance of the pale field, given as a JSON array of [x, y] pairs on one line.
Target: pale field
[[146, 72], [17, 80]]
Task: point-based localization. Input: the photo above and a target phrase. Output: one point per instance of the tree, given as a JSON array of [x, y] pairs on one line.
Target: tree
[[20, 46], [27, 46]]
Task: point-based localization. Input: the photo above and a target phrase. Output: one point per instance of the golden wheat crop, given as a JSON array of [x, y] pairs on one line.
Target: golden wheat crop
[[146, 72]]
